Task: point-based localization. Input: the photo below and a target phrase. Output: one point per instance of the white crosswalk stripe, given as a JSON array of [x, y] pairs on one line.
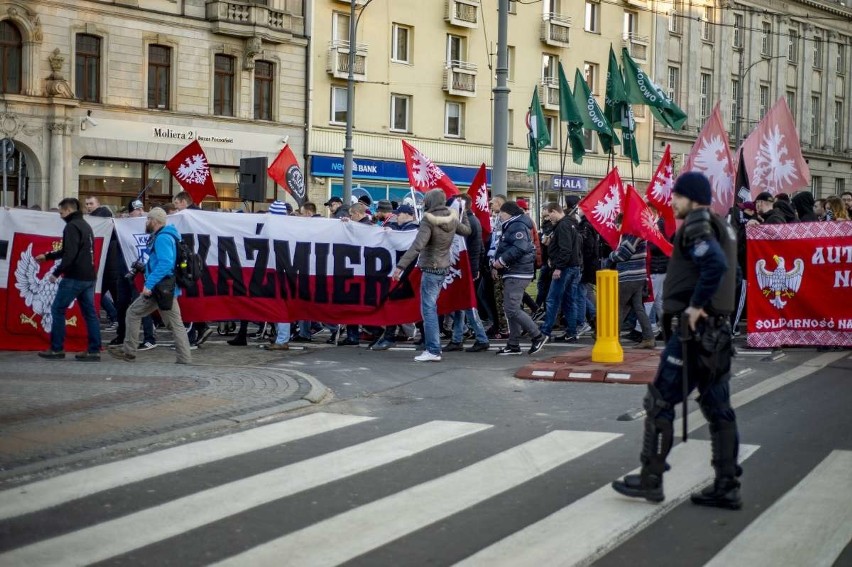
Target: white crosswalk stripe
[[815, 518], [55, 491], [390, 518]]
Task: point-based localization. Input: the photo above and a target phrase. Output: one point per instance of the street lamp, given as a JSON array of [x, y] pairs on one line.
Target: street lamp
[[742, 75], [348, 150]]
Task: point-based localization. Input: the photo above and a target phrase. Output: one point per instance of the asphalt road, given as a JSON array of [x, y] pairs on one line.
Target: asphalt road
[[416, 464]]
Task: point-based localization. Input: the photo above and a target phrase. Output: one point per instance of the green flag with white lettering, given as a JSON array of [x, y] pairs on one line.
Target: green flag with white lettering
[[641, 89], [615, 96], [593, 116], [538, 137], [570, 113]]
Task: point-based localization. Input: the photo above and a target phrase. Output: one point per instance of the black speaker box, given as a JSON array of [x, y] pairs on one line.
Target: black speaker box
[[253, 179]]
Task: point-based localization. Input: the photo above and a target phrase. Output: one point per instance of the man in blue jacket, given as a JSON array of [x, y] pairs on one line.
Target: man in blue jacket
[[159, 292]]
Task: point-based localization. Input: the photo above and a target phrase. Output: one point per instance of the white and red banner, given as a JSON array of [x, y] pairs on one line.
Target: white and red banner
[[800, 284], [191, 169], [642, 221], [283, 268], [659, 191], [711, 156], [480, 202], [26, 293], [423, 174], [772, 155], [602, 205]]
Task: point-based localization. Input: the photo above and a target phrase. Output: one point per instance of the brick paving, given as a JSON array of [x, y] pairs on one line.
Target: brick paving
[[55, 409]]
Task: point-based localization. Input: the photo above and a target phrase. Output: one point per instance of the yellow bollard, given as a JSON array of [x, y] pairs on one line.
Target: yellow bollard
[[607, 348]]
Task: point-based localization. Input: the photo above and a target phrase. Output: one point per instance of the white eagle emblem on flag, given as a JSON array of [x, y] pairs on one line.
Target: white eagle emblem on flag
[[779, 283], [194, 170], [36, 292]]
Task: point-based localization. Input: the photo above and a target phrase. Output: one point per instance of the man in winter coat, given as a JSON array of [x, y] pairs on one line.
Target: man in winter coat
[[803, 203], [431, 248], [565, 261]]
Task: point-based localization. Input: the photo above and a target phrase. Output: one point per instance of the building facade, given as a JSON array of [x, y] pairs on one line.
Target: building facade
[[97, 95], [425, 72], [747, 55]]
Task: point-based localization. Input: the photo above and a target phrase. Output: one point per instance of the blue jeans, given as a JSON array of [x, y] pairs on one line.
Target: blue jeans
[[472, 318], [109, 306], [589, 293], [562, 293], [283, 333], [67, 291], [430, 288]]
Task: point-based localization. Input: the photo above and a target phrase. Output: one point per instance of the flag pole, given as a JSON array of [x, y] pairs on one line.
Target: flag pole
[[151, 182], [563, 155]]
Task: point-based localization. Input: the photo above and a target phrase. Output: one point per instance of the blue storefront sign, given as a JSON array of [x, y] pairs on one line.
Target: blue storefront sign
[[567, 183], [379, 170]]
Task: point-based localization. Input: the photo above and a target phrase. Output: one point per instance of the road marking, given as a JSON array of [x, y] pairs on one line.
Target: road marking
[[597, 523], [543, 373], [52, 492], [377, 523], [149, 526], [810, 525]]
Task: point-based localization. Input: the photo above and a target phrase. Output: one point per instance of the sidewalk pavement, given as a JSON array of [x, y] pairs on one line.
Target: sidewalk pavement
[[54, 413]]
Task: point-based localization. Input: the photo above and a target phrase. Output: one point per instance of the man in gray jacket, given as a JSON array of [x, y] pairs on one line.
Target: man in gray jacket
[[431, 247]]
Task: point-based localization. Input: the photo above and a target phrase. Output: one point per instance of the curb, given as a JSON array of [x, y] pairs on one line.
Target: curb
[[638, 367]]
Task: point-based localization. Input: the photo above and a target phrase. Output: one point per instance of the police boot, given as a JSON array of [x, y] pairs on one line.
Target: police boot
[[725, 490], [657, 443]]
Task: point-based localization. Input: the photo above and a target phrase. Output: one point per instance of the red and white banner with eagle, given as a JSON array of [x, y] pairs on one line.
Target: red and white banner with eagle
[[800, 284], [26, 293]]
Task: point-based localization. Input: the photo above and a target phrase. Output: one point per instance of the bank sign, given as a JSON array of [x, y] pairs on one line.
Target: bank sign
[[332, 166], [566, 183]]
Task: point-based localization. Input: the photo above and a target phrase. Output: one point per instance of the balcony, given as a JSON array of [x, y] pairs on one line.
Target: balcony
[[637, 46], [462, 13], [337, 64], [460, 78], [248, 19], [357, 2], [555, 30], [548, 93]]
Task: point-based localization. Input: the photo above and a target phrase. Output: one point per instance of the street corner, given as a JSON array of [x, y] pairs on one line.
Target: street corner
[[638, 367]]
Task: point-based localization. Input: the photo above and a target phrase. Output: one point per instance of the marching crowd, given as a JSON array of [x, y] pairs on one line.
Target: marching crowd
[[562, 255]]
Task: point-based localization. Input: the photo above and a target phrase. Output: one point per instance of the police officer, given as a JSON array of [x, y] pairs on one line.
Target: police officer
[[699, 286]]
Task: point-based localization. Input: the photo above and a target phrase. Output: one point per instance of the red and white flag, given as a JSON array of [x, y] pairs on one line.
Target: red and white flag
[[659, 191], [190, 168], [711, 156], [772, 154], [285, 171], [423, 174], [642, 221], [602, 205], [478, 193]]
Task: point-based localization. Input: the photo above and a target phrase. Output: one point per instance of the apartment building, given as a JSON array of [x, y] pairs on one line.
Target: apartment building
[[748, 55], [425, 71], [97, 95]]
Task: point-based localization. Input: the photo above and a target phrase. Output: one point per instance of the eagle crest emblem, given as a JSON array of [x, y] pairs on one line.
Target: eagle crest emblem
[[780, 283]]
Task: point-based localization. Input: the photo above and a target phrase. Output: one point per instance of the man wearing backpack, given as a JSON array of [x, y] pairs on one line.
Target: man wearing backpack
[[159, 292]]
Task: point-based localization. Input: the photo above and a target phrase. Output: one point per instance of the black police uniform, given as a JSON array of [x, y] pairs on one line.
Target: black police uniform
[[701, 274]]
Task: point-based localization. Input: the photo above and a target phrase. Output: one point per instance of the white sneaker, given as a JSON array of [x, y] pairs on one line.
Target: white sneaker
[[586, 328], [427, 356]]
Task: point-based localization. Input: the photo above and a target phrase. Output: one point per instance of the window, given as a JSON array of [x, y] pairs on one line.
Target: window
[[513, 6], [593, 16], [340, 27], [11, 55], [87, 71], [791, 102], [707, 23], [263, 77], [590, 73], [400, 113], [735, 99], [455, 49], [676, 17], [817, 42], [511, 53], [453, 119], [816, 185], [838, 125], [511, 120], [814, 121], [763, 107], [551, 129], [706, 88], [738, 31], [549, 66], [223, 85], [631, 23], [589, 139], [159, 76], [339, 105], [766, 39], [400, 49], [841, 56], [839, 186], [674, 83], [793, 47]]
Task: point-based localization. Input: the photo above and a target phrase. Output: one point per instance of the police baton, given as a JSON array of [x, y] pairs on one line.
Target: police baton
[[685, 337]]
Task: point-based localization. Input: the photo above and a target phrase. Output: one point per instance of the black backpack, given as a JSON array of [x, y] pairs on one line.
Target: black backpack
[[188, 264]]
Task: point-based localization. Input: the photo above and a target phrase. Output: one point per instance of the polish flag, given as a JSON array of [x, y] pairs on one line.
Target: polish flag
[[478, 193], [423, 174], [642, 221], [711, 156], [190, 167], [602, 205], [659, 191]]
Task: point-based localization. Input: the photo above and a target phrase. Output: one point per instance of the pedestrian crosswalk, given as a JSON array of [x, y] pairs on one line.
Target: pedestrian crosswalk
[[817, 510]]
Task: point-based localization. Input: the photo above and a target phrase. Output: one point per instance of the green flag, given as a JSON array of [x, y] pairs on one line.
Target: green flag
[[628, 134], [539, 137], [641, 89], [593, 116], [615, 95], [569, 112]]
